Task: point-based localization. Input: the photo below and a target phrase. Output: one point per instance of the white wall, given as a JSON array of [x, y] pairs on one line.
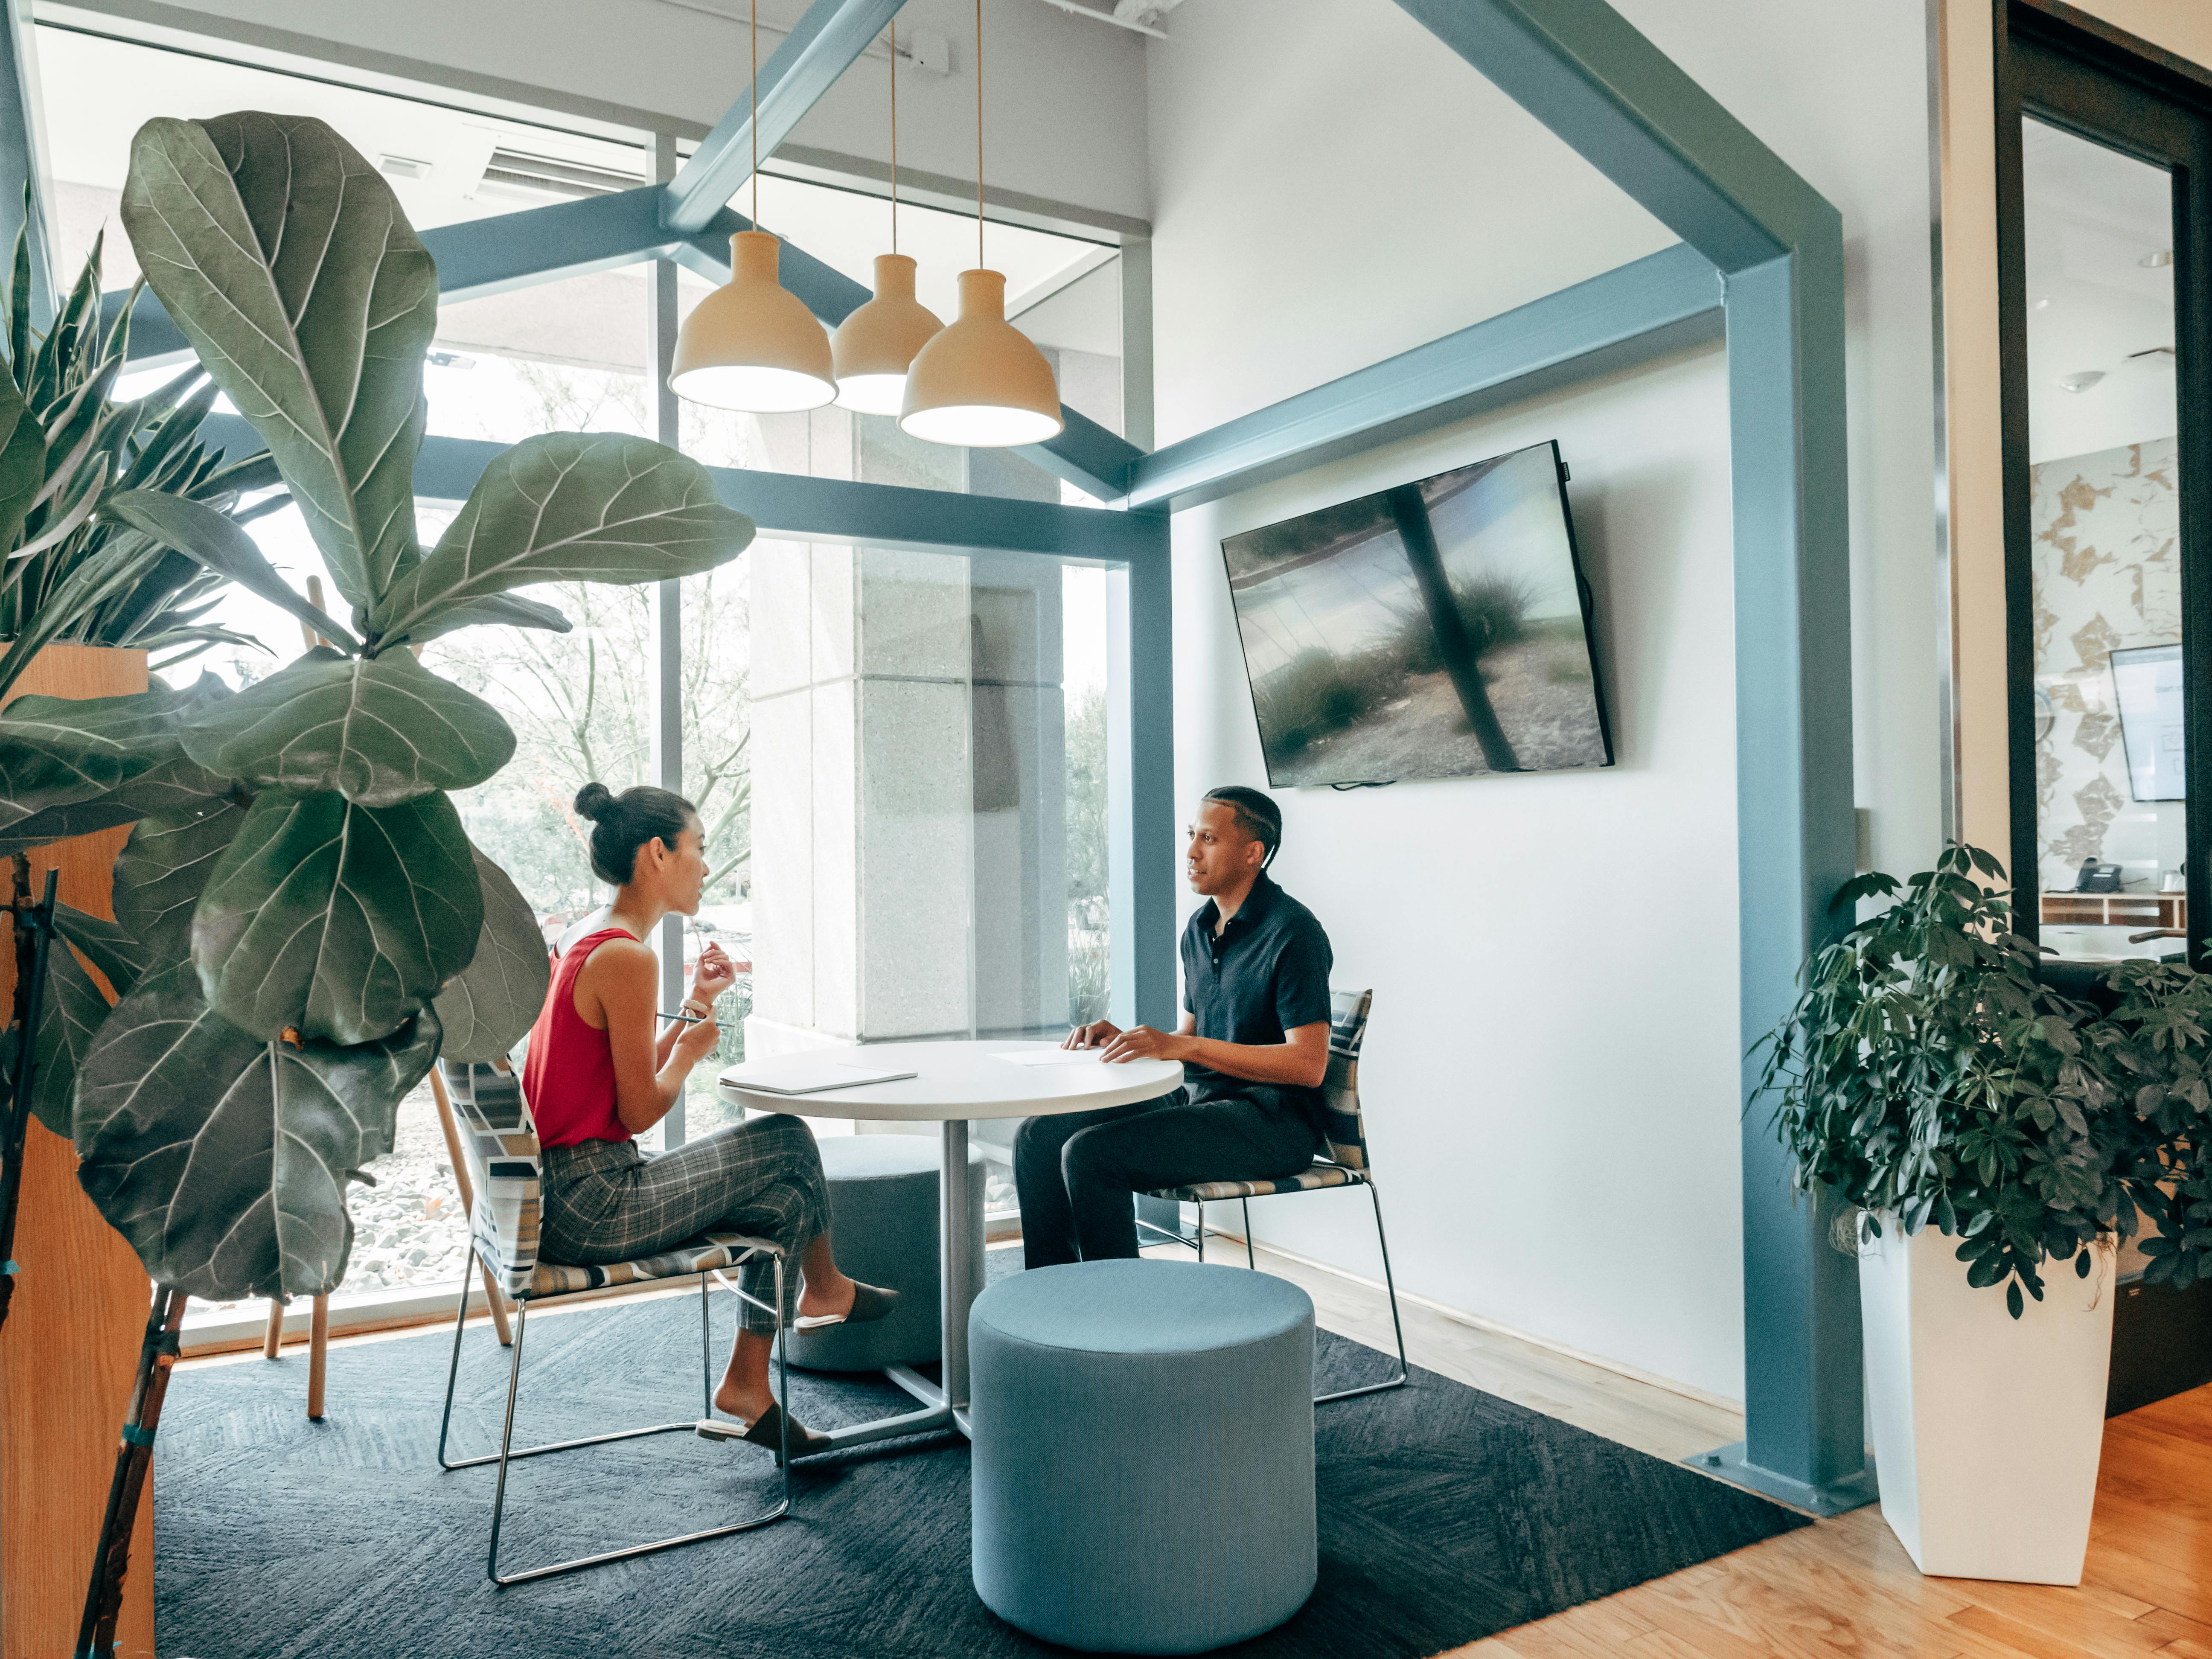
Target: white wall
[[1064, 108], [1553, 1062]]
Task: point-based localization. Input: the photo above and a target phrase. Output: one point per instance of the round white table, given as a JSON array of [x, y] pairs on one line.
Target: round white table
[[954, 1083]]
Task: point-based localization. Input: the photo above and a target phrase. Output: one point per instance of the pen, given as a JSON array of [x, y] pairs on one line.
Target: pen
[[689, 1019]]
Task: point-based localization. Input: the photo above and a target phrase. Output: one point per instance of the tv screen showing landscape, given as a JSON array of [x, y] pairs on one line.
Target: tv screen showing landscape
[[1438, 629]]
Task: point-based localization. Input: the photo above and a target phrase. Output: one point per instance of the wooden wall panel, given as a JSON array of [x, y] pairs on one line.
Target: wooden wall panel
[[71, 1342]]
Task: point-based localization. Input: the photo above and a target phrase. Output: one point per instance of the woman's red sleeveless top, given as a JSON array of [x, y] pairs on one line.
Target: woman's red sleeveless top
[[568, 1073]]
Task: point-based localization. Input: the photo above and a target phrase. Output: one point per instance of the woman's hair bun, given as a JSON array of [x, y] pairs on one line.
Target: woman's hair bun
[[593, 801]]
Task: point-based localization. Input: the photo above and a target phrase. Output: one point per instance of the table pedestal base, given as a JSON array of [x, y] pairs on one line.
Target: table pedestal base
[[944, 1406]]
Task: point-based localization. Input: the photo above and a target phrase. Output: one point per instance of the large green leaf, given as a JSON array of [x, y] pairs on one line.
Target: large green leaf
[[491, 1006], [577, 507], [22, 460], [377, 732], [284, 256], [224, 1158], [216, 541], [108, 946], [69, 1017], [509, 609], [67, 763], [163, 868], [339, 920]]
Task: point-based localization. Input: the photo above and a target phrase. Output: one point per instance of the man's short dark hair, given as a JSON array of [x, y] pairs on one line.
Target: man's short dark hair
[[1256, 816]]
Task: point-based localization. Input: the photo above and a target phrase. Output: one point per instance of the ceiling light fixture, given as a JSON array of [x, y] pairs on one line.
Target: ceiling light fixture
[[2081, 380], [2157, 261], [981, 384], [873, 348], [752, 345]]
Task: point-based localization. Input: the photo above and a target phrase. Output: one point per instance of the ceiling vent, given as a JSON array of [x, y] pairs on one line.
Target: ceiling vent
[[518, 170]]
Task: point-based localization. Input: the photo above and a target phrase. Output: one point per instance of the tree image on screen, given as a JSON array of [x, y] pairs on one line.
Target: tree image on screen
[[1435, 630]]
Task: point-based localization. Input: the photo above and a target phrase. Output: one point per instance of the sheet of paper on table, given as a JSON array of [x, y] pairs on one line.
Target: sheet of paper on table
[[812, 1079], [1051, 1056]]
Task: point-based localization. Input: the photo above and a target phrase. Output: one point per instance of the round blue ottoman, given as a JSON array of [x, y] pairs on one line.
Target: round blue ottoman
[[883, 1221], [1144, 1454]]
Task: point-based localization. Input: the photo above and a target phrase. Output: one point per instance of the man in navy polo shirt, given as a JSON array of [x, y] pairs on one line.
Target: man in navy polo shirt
[[1254, 1045]]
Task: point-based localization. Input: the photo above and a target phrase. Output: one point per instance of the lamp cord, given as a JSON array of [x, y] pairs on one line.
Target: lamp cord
[[895, 135], [754, 124], [979, 134]]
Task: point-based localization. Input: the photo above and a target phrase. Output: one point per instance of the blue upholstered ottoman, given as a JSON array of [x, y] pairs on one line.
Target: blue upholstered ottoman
[[1144, 1454], [883, 1219]]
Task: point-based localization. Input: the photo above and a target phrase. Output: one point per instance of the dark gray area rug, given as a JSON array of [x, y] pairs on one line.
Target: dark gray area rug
[[1446, 1514]]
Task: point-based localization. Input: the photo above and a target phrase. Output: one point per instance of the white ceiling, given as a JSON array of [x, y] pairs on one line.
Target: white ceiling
[[2094, 216]]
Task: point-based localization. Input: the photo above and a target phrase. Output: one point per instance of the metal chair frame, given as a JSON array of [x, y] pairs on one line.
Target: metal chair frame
[[1352, 1178], [507, 1453]]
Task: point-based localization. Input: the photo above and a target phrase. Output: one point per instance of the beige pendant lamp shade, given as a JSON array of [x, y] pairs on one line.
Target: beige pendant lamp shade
[[981, 384], [874, 347], [751, 345]]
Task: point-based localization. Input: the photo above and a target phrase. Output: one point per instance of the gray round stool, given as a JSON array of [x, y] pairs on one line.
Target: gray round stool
[[1144, 1454], [883, 1219]]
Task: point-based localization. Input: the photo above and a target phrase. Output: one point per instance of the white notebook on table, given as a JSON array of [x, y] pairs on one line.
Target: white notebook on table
[[817, 1078]]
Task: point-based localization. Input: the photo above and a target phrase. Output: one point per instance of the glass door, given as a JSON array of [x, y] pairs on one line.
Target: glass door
[[2103, 315]]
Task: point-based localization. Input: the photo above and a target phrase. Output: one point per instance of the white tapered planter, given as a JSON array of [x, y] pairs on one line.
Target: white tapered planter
[[1987, 1429]]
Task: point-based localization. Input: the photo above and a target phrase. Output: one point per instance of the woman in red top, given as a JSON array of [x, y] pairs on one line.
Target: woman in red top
[[597, 1076]]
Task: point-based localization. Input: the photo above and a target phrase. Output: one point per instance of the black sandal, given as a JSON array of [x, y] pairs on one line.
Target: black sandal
[[870, 1303], [763, 1431]]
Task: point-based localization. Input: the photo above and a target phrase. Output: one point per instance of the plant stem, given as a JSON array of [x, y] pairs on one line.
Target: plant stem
[[157, 1357]]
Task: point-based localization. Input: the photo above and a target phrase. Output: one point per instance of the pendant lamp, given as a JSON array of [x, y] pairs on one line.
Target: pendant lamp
[[980, 384], [752, 345], [873, 348]]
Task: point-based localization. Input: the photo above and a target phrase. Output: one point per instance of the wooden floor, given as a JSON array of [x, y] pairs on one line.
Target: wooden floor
[[1842, 1586]]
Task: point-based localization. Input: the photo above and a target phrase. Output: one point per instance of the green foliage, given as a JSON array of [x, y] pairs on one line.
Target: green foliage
[[1926, 1073], [298, 889], [67, 450], [1493, 609], [1318, 692], [2157, 1044]]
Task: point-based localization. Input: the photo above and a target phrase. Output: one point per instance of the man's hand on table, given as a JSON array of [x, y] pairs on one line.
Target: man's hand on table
[[1097, 1036], [1143, 1042]]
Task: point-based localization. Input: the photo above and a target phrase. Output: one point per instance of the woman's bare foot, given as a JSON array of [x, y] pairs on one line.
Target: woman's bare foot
[[744, 1403], [833, 1298]]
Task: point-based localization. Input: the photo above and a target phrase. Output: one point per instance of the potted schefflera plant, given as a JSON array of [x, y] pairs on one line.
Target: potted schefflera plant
[[302, 924], [1996, 1154]]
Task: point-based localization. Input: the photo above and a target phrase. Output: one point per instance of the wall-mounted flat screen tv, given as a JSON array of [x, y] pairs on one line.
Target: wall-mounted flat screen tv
[[1438, 629]]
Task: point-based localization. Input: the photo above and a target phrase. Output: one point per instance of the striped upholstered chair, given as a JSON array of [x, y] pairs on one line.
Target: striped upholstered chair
[[499, 1143], [1344, 1164]]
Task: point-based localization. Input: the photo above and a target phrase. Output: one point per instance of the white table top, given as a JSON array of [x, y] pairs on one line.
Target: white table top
[[956, 1080]]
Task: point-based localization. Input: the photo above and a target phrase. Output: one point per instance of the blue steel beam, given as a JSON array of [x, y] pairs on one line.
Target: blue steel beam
[[829, 509], [1652, 305], [821, 46], [1627, 109]]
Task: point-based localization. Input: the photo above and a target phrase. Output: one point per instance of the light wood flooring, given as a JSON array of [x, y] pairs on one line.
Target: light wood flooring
[[1842, 1586], [1838, 1588]]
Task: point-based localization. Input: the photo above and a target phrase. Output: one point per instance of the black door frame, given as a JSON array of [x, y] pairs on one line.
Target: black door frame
[[2074, 71]]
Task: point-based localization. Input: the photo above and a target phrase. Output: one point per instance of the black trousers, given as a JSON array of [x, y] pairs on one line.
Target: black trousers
[[1076, 1173]]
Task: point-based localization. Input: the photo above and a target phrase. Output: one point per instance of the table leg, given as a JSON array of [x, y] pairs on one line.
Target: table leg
[[961, 1272]]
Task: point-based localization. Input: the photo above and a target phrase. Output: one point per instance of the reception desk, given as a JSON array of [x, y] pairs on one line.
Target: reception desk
[[2139, 910]]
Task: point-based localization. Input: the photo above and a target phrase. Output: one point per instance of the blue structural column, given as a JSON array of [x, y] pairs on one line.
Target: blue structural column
[[1629, 111], [1151, 810]]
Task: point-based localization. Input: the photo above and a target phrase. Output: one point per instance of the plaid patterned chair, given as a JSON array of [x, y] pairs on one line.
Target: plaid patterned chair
[[1344, 1165], [500, 1143]]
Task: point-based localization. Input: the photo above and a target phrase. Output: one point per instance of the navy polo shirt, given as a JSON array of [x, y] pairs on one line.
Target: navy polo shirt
[[1265, 973]]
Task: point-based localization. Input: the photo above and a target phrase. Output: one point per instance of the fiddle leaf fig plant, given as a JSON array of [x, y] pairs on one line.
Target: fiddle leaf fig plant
[[1927, 1074], [301, 921]]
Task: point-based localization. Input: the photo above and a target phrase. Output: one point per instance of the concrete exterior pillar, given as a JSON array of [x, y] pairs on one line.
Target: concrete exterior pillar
[[908, 772]]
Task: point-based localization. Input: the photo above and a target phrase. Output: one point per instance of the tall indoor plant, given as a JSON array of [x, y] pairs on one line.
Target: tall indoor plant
[[302, 924], [1928, 1076]]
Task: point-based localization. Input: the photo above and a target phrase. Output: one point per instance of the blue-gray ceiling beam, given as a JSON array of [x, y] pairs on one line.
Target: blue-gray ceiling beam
[[829, 509], [1653, 304], [23, 180], [1580, 68], [821, 46]]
